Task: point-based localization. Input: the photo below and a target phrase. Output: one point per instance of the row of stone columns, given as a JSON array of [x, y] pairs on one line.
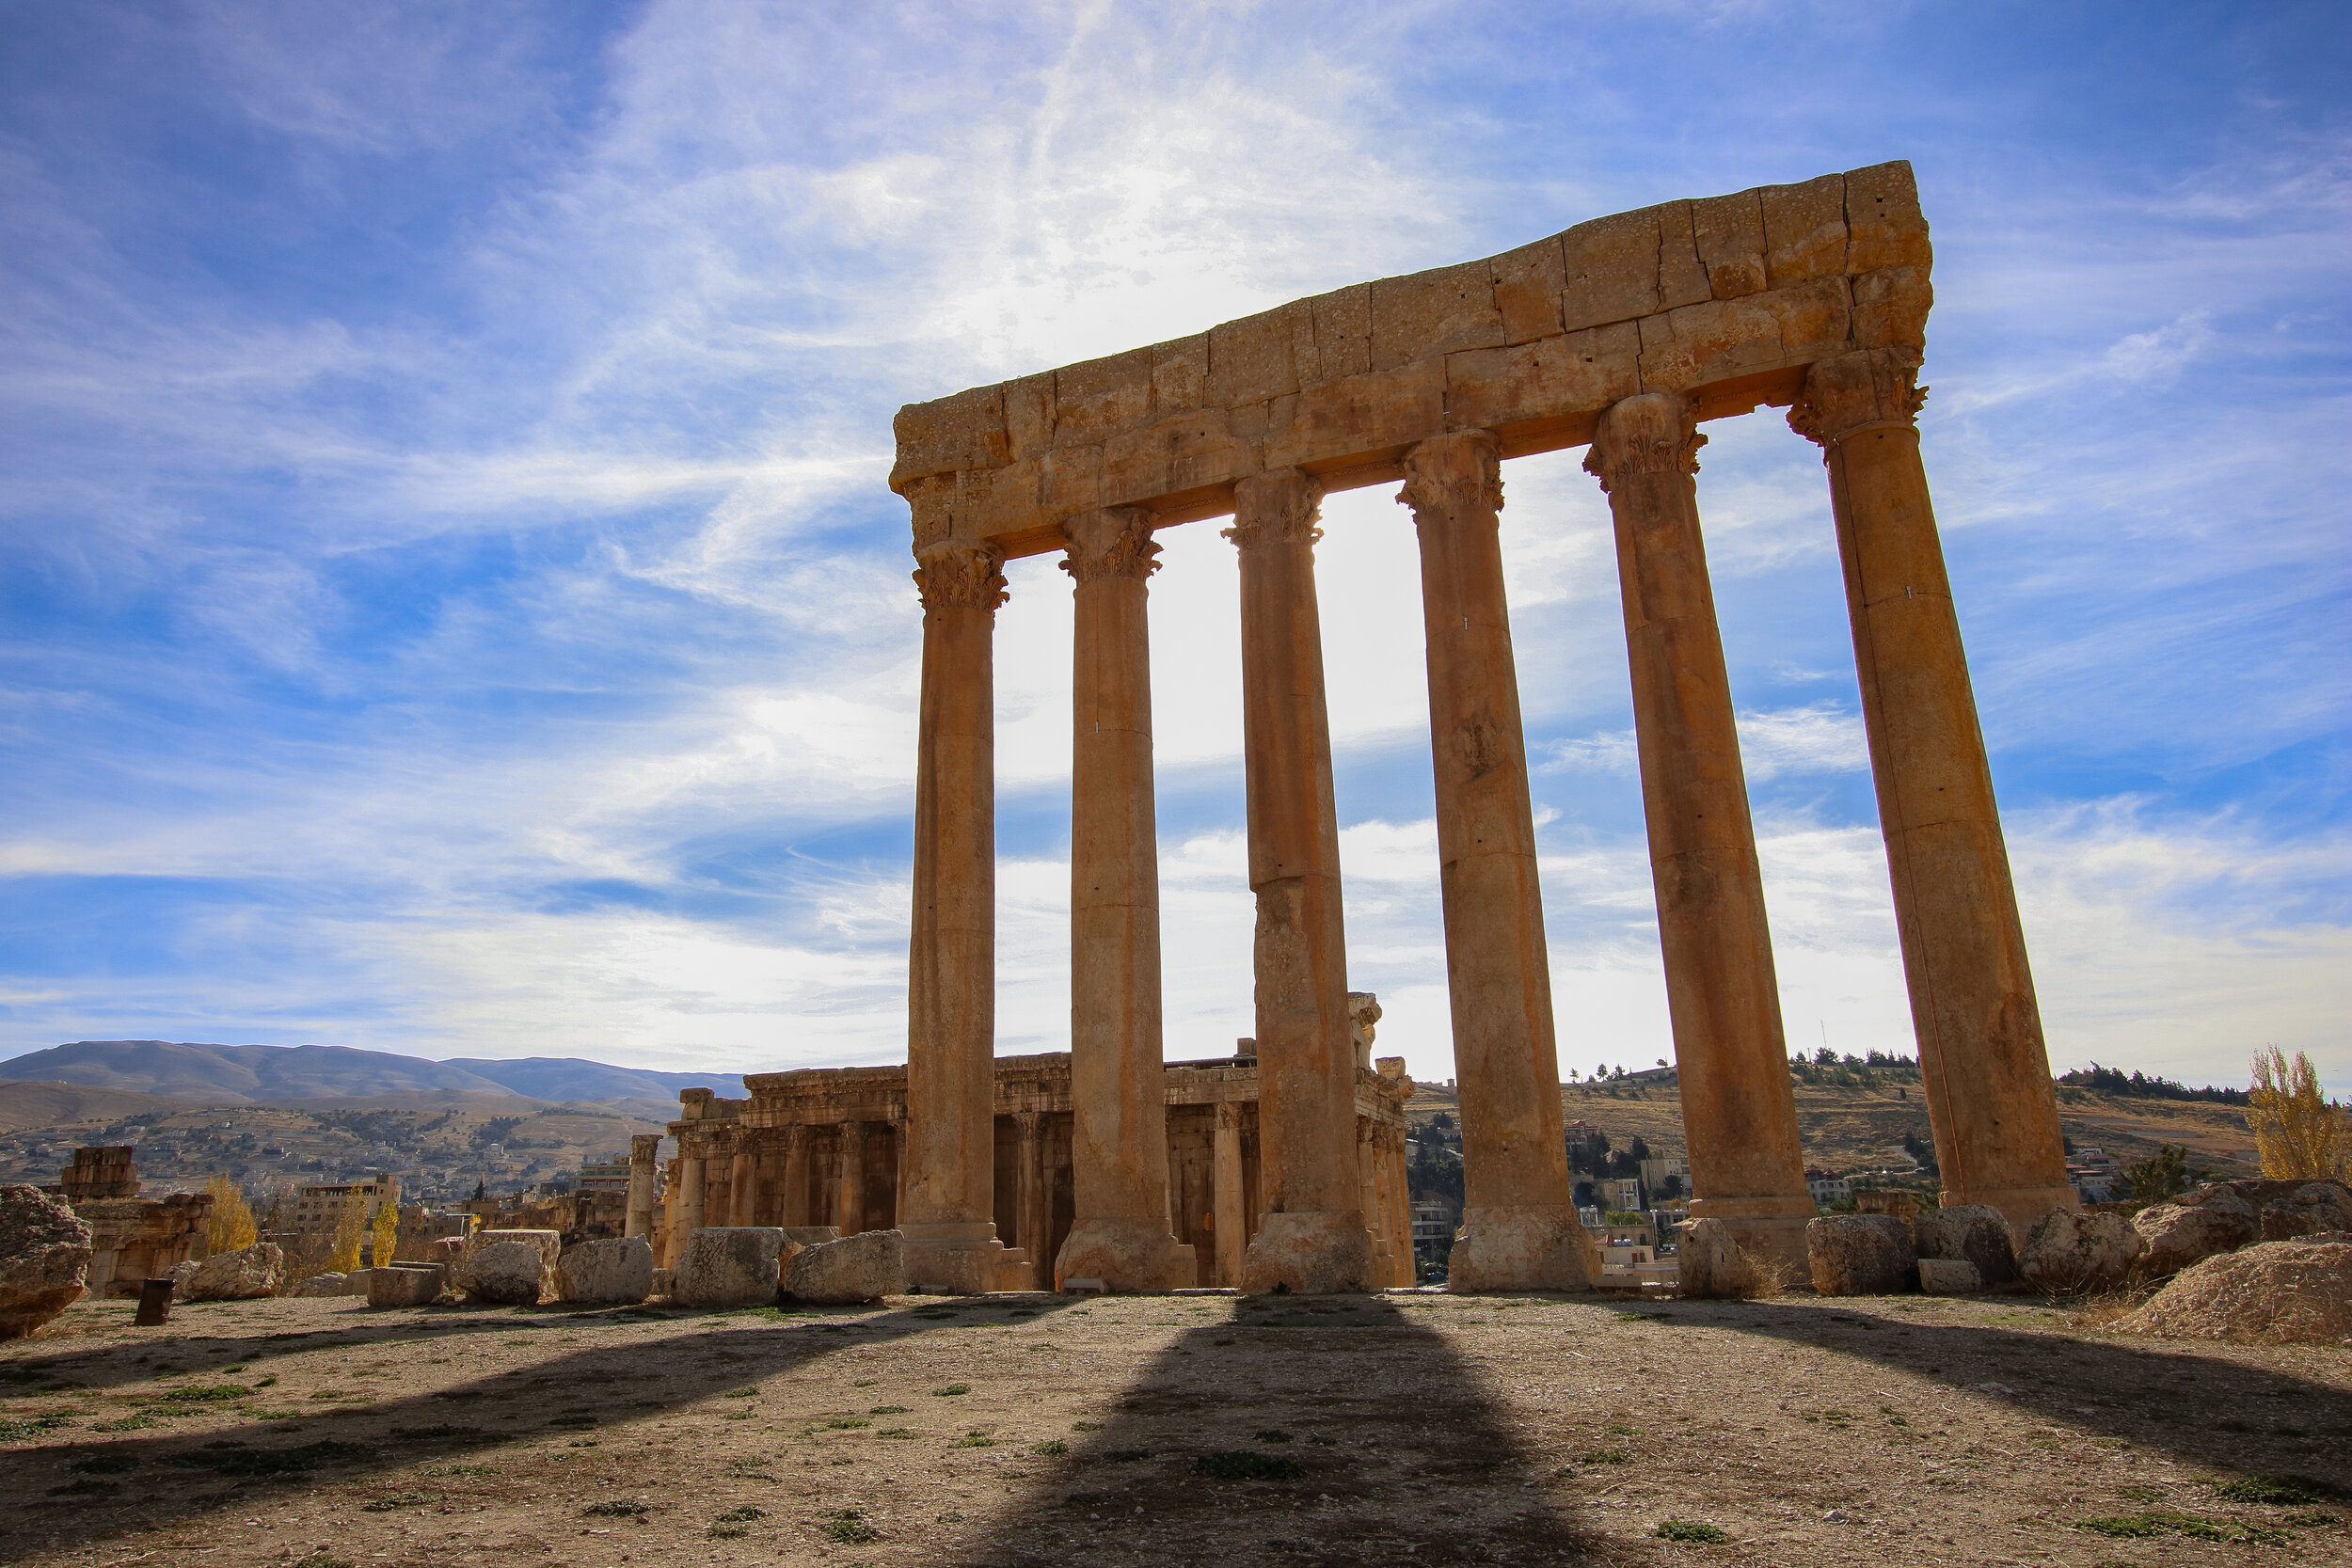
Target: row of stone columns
[[1979, 1035]]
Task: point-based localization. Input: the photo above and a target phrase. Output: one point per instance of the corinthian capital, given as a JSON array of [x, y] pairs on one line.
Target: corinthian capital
[[1280, 508], [1870, 388], [1652, 433], [1111, 542], [1453, 475], [960, 577]]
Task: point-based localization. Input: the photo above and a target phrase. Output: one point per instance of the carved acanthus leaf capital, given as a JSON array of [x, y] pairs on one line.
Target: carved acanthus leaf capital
[[961, 576], [1652, 433], [1871, 389], [1280, 508], [1113, 541], [1451, 475]]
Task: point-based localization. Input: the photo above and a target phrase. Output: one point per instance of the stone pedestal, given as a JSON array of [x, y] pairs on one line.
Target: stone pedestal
[[1312, 1237], [951, 1243], [1721, 991], [1118, 1126], [1981, 1054], [1519, 1229]]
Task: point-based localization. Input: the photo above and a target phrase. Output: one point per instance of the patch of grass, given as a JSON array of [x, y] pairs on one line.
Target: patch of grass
[[572, 1423], [888, 1410], [741, 1394], [899, 1433], [1086, 1426], [951, 1390], [1689, 1529], [203, 1393], [2277, 1492], [1127, 1456], [743, 1514], [974, 1440], [241, 1460], [126, 1423], [616, 1508], [1230, 1464], [2156, 1522], [846, 1423], [440, 1430], [397, 1500], [849, 1527], [15, 1429], [2140, 1493], [728, 1532], [1052, 1448], [1272, 1435], [84, 1489], [2311, 1517], [1604, 1456], [459, 1470], [1620, 1428], [582, 1443], [105, 1464]]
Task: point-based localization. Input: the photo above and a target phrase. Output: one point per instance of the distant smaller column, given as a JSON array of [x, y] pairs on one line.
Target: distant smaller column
[[852, 1178], [1231, 1200], [743, 1183], [644, 1182], [794, 1209], [1028, 1218], [689, 1200]]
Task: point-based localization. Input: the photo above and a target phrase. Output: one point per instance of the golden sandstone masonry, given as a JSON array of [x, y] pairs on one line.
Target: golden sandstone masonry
[[1623, 335]]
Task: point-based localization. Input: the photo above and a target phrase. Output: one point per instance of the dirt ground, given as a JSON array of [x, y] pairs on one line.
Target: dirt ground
[[1403, 1428]]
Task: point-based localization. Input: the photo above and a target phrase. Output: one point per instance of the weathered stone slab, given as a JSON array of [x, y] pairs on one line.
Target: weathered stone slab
[[2175, 1235], [728, 1266], [44, 1259], [404, 1283], [614, 1270], [1949, 1276], [1709, 1265], [1860, 1255], [865, 1267], [245, 1274], [2067, 1251], [1973, 1232], [317, 1285], [508, 1273]]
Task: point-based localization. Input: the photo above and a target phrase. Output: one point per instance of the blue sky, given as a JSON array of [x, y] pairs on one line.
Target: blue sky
[[450, 601]]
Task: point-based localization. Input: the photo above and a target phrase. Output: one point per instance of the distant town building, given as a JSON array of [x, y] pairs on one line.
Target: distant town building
[[316, 1208], [1586, 1143], [604, 1176], [1827, 1187], [1619, 1192]]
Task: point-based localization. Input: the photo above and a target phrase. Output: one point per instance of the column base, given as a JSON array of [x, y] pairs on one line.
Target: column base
[[1128, 1255], [1312, 1252], [1529, 1247], [2020, 1206], [1766, 1228], [954, 1259]]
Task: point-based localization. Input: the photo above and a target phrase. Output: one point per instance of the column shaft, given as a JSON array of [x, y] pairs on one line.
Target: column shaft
[[1982, 1051], [644, 1182], [1232, 1217], [743, 1183], [689, 1201], [852, 1137], [794, 1209], [1722, 993], [1519, 1229], [950, 1230], [1029, 1204], [1313, 1235], [1118, 1087]]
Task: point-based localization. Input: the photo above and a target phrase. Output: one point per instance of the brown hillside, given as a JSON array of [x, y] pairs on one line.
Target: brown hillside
[[49, 1104]]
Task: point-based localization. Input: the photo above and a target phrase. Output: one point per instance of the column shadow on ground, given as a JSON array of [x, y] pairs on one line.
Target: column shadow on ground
[[2167, 1395], [1372, 1434], [158, 1478]]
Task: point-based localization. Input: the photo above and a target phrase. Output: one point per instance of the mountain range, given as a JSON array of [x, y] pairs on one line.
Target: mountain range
[[252, 1074]]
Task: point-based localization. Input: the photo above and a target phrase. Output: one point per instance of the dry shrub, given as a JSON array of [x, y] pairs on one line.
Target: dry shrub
[[1762, 1276]]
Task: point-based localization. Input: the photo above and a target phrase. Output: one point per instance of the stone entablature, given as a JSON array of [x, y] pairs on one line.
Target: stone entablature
[[132, 1239], [1724, 301], [778, 1158]]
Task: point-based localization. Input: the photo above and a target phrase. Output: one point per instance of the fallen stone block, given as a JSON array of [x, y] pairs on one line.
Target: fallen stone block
[[506, 1274], [1860, 1255], [1710, 1264], [2070, 1251], [2175, 1235], [44, 1259], [1975, 1233], [614, 1270], [356, 1282], [317, 1285], [865, 1267], [247, 1274], [728, 1266], [403, 1285], [1949, 1276], [662, 1281]]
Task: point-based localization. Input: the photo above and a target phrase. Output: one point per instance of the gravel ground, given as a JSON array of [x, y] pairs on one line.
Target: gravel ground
[[1016, 1430]]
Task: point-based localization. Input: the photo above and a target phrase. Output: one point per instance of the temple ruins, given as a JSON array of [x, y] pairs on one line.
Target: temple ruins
[[133, 1238], [1624, 335]]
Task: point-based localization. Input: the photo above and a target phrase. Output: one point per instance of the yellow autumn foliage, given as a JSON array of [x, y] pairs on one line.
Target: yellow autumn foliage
[[2299, 1133]]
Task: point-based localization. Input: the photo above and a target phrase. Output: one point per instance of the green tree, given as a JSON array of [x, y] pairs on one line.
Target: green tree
[[2164, 1174]]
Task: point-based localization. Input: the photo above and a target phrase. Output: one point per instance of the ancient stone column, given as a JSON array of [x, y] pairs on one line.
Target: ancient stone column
[[1029, 1218], [1401, 1209], [794, 1209], [1722, 993], [949, 1223], [743, 1183], [1229, 1194], [1312, 1237], [1118, 1089], [690, 1194], [644, 1182], [1981, 1053], [1519, 1229], [852, 1145]]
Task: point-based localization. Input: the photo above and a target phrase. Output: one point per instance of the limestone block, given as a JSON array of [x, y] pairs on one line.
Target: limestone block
[[549, 1245], [1488, 388], [1730, 233], [661, 1282], [1525, 1248], [965, 431], [2065, 1250], [1527, 291], [317, 1285], [1884, 222], [1805, 230], [799, 1236], [1890, 308], [1860, 1255], [2296, 1292], [614, 1270], [1973, 1232], [44, 1259], [2175, 1235], [1179, 375], [1384, 408], [246, 1274], [356, 1282], [2312, 1208], [1342, 334], [1814, 317], [1099, 397], [1709, 1265], [1714, 341], [403, 1285], [1182, 453], [865, 1267], [1427, 314], [1251, 359], [728, 1266], [1611, 270], [506, 1274], [1030, 416], [1949, 1276]]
